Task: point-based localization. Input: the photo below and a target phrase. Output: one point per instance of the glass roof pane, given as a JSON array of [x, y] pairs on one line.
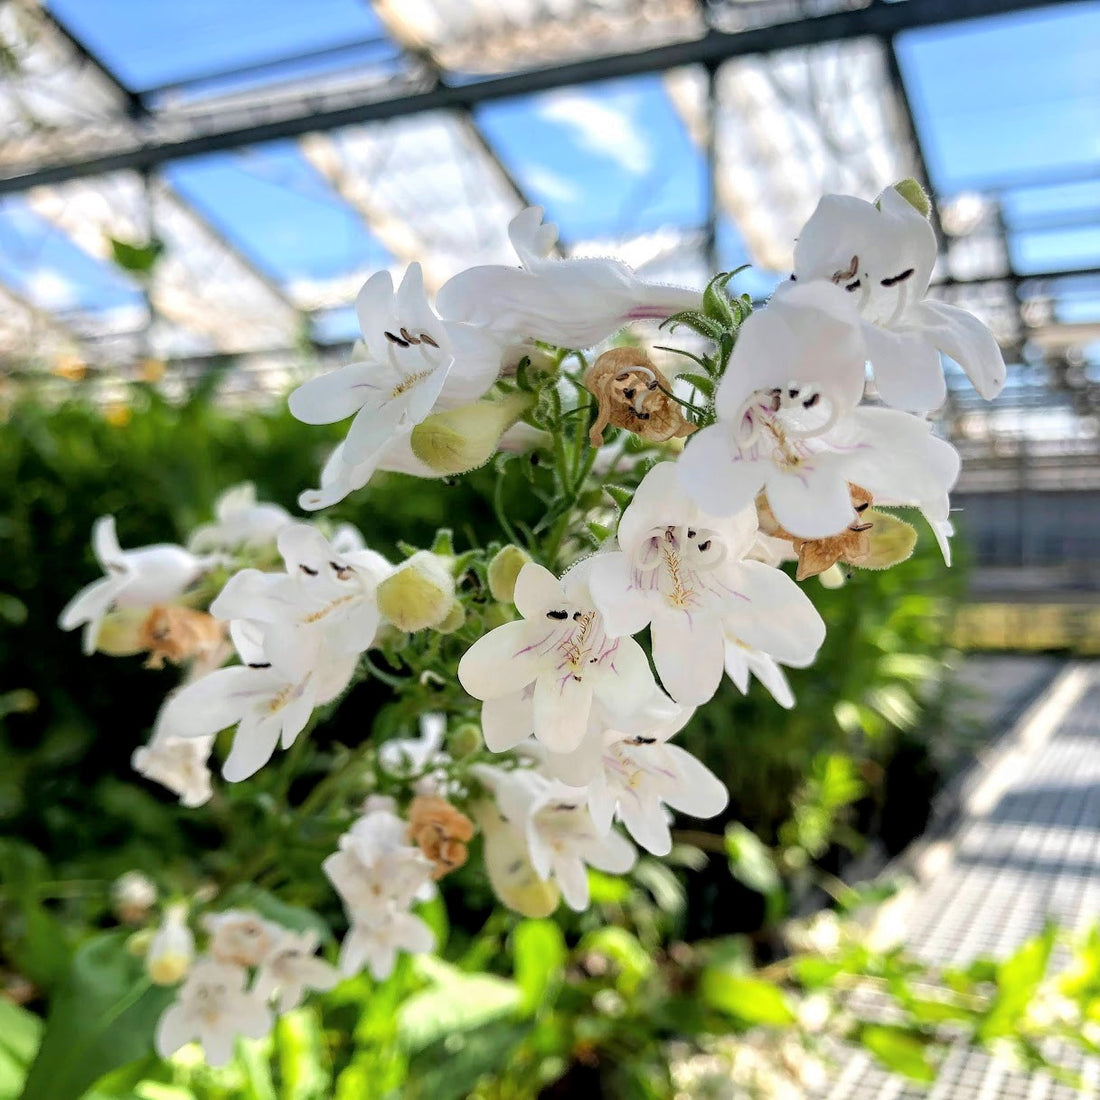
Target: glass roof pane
[[1007, 95], [607, 159], [275, 206], [149, 43]]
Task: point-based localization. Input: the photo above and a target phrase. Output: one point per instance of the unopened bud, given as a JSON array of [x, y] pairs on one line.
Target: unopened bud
[[833, 577], [420, 593], [173, 948], [454, 620], [915, 196], [121, 634], [465, 740], [459, 440], [132, 896], [503, 571]]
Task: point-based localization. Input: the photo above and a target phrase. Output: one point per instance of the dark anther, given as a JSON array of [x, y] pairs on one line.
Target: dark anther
[[811, 401], [794, 278], [406, 335], [308, 570], [643, 416], [640, 740], [577, 616], [848, 272], [534, 458], [629, 394], [792, 394], [396, 340], [692, 532], [259, 664], [577, 678], [651, 385], [559, 615], [863, 507], [858, 528], [895, 279], [777, 392], [426, 339], [593, 660], [704, 546], [853, 286]]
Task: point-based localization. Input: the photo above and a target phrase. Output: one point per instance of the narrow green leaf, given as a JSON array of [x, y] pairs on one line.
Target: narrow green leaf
[[538, 948], [750, 1000], [898, 1050]]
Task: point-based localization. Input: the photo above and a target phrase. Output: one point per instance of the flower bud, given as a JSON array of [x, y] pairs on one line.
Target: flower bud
[[121, 633], [459, 440], [132, 896], [503, 571], [418, 594], [465, 740], [173, 948], [915, 196], [454, 620]]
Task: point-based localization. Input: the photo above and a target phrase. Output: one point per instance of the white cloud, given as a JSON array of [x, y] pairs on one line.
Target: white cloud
[[546, 183], [604, 126], [50, 289]]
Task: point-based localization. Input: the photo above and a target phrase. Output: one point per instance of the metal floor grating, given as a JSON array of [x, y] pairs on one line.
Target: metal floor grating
[[1033, 855]]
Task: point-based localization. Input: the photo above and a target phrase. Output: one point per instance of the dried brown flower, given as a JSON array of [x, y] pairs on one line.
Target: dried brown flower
[[178, 634], [440, 831], [633, 394], [852, 545]]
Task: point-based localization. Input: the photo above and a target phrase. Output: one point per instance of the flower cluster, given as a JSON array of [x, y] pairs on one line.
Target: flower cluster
[[550, 675]]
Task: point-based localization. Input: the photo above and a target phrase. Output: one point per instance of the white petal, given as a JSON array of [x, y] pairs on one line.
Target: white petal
[[908, 372], [537, 590], [778, 616], [688, 651], [813, 500], [965, 339], [217, 700], [613, 853], [658, 501], [175, 1029], [253, 745], [701, 793], [507, 720], [89, 606], [631, 685], [217, 1043], [718, 477], [336, 395], [572, 879], [505, 660], [373, 428], [647, 824], [562, 706], [624, 608]]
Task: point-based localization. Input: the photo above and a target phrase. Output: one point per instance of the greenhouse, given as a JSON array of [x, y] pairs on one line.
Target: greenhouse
[[396, 395]]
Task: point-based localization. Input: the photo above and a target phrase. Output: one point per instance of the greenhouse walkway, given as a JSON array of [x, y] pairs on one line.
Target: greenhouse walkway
[[1024, 848]]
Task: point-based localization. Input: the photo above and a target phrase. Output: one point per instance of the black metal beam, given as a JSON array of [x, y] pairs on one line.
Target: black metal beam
[[879, 20]]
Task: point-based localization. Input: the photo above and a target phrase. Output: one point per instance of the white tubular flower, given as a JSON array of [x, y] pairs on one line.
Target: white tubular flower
[[213, 1007], [376, 946], [882, 254], [176, 762], [241, 937], [408, 357], [561, 836], [570, 303], [241, 523], [562, 647], [508, 863], [269, 698], [407, 756], [804, 443], [172, 949], [322, 591], [135, 578], [291, 968], [684, 572]]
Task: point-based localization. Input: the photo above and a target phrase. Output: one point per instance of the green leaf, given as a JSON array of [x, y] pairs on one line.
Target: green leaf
[[20, 1032], [751, 860], [451, 1067], [140, 259], [1017, 979], [899, 1050], [750, 1000], [814, 972], [840, 783], [303, 1064], [455, 1002], [625, 950], [102, 1016], [538, 948]]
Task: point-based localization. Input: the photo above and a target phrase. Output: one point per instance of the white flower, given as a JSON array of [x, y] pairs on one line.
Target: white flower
[[570, 303], [178, 763], [172, 949], [407, 756], [683, 572], [135, 578], [213, 1007], [376, 945], [269, 698], [562, 647], [291, 968], [803, 444], [322, 591], [562, 839], [882, 254], [241, 937], [133, 894], [508, 863], [241, 523]]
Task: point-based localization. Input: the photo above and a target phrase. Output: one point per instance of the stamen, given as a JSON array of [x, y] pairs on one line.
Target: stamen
[[426, 339], [847, 273], [308, 570], [561, 616], [895, 279], [396, 340], [408, 336]]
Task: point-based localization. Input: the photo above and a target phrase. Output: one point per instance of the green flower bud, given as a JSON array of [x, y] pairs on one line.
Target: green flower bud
[[418, 594], [503, 571], [465, 740], [459, 440], [915, 196]]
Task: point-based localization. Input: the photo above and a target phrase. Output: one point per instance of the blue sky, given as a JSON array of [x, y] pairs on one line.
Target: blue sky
[[1006, 98]]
